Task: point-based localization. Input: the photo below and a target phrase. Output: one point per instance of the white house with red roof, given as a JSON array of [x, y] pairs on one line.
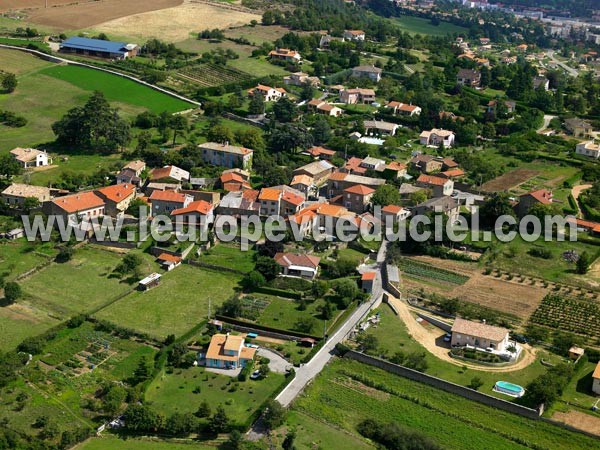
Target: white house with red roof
[[285, 54], [298, 265], [199, 213], [404, 109], [269, 94], [354, 35], [439, 186], [394, 214], [437, 136], [80, 206]]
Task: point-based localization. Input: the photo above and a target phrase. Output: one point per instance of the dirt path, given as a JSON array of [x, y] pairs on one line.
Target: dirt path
[[576, 192], [428, 339], [582, 421]]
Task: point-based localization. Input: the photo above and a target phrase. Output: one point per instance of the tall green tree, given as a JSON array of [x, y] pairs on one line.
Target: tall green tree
[[9, 82]]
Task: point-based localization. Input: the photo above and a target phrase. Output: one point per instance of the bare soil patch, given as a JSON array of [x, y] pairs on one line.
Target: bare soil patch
[[512, 297], [176, 24], [12, 5], [87, 14], [579, 420], [509, 180]]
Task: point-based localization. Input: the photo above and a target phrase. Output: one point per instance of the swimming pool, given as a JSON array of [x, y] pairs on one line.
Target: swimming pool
[[514, 390]]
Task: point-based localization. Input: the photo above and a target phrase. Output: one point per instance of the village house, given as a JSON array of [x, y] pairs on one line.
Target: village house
[[168, 262], [301, 79], [596, 379], [234, 181], [380, 128], [30, 157], [98, 48], [439, 186], [436, 136], [291, 203], [452, 173], [358, 198], [211, 197], [238, 204], [354, 35], [526, 201], [303, 183], [321, 153], [169, 174], [394, 170], [403, 109], [366, 281], [149, 188], [16, 194], [371, 72], [357, 95], [339, 181], [439, 205], [270, 201], [131, 173], [326, 40], [269, 94], [165, 202], [117, 198], [578, 128], [227, 351], [226, 155], [298, 265], [542, 82], [589, 148], [354, 165], [198, 213], [510, 105], [393, 214], [468, 77], [426, 163], [371, 163], [319, 171], [322, 107], [480, 335], [285, 54], [80, 206]]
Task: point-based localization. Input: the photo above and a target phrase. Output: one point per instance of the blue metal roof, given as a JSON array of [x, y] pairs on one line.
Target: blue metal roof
[[96, 45]]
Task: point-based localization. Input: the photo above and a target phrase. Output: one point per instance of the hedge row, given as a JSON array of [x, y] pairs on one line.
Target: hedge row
[[279, 292]]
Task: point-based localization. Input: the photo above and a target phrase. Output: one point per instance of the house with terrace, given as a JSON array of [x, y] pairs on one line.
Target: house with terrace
[[436, 137], [16, 194], [298, 265], [285, 54], [357, 95], [269, 94], [371, 72], [227, 351], [403, 109], [479, 334], [30, 157]]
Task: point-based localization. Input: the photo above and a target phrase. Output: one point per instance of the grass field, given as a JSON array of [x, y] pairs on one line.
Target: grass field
[[111, 442], [82, 284], [416, 25], [116, 88], [21, 63], [338, 396], [230, 256], [173, 392], [74, 163], [283, 313], [179, 303], [22, 320]]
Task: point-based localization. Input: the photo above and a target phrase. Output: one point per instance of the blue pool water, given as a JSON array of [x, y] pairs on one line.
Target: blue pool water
[[509, 388]]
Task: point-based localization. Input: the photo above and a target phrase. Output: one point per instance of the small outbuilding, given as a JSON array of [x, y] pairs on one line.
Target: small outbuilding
[[149, 282], [575, 353], [168, 261], [367, 280], [596, 380]]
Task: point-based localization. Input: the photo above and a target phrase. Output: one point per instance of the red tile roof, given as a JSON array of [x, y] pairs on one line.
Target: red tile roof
[[269, 194], [543, 196], [292, 198], [295, 259], [430, 179], [368, 276], [118, 192], [337, 176], [199, 206], [79, 202], [169, 258], [359, 189], [391, 209], [167, 196]]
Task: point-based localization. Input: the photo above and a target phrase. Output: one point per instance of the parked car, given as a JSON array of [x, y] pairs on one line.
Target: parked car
[[255, 375], [448, 337]]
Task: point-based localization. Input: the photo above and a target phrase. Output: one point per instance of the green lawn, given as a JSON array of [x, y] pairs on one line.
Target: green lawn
[[230, 256], [111, 442], [173, 392], [179, 303], [416, 25], [312, 432], [82, 284], [339, 396], [393, 336], [578, 392], [22, 320], [259, 67], [116, 88], [21, 63], [17, 257], [283, 313]]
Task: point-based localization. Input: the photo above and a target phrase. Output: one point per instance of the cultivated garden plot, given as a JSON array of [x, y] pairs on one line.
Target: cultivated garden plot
[[425, 271], [576, 315], [212, 75]]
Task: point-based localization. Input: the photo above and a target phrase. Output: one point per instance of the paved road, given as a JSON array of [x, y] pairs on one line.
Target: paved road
[[309, 371], [566, 68], [547, 119]]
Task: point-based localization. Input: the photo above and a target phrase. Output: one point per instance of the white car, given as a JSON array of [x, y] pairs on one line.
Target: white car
[[255, 375]]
